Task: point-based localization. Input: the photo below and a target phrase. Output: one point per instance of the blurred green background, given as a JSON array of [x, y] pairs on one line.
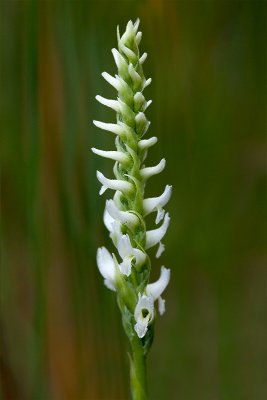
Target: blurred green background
[[60, 332]]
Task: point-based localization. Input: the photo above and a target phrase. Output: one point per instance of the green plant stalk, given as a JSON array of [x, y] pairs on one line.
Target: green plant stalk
[[138, 379]]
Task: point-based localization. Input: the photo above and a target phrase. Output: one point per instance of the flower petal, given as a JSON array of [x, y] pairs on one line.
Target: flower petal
[[115, 184], [108, 221], [114, 128], [161, 304], [143, 58], [124, 246], [120, 62], [160, 250], [160, 215], [125, 217], [147, 82], [126, 266], [154, 236], [113, 155], [106, 264], [138, 37], [129, 32], [114, 104], [111, 80], [153, 203], [136, 25], [136, 78], [141, 327], [142, 125], [144, 144], [128, 52], [155, 289], [150, 171], [109, 284], [126, 249]]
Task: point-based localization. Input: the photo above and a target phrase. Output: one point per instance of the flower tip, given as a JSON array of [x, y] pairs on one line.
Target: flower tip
[[137, 22], [99, 175], [140, 330], [166, 272], [118, 32], [97, 123]]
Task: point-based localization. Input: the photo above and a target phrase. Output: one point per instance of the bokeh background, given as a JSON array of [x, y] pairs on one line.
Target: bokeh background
[[61, 335]]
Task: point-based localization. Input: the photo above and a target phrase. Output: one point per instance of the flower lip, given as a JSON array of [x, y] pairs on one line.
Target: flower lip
[[143, 314], [157, 288]]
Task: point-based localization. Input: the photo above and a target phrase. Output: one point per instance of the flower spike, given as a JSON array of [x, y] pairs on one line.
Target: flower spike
[[125, 214]]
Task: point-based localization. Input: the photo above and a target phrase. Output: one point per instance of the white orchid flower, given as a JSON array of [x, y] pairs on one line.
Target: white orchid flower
[[144, 310], [143, 314], [125, 217], [157, 288], [129, 255]]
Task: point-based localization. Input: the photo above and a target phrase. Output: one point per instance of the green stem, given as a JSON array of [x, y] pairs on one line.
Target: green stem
[[138, 370]]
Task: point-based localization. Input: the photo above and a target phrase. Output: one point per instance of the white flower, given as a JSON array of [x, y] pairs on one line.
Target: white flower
[[143, 314], [129, 255], [125, 217], [144, 310], [107, 267], [157, 288]]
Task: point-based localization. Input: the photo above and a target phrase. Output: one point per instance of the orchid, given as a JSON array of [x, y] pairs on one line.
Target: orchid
[[127, 273], [144, 310]]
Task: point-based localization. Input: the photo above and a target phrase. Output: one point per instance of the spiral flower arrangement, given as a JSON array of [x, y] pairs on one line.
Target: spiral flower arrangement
[[127, 272]]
